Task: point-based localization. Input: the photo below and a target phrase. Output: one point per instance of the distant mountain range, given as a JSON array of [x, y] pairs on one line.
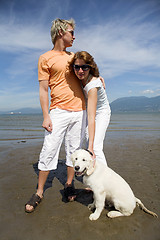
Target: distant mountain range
[[136, 104], [126, 104]]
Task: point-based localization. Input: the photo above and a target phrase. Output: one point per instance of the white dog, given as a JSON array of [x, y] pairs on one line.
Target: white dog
[[106, 185]]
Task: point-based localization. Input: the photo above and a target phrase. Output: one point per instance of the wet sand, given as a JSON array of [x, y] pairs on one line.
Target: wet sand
[[137, 160]]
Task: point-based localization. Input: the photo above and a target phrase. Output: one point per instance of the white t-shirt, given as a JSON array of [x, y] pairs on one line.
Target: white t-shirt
[[102, 100]]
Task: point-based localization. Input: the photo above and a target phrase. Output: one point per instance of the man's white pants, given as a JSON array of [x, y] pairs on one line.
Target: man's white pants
[[66, 124]]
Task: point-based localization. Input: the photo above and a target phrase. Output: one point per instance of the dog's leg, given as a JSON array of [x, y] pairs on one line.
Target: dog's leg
[[99, 201], [91, 206], [114, 214]]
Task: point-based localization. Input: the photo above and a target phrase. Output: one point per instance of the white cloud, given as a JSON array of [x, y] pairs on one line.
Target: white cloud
[[148, 86], [142, 83], [148, 91], [120, 46], [21, 37], [151, 91]]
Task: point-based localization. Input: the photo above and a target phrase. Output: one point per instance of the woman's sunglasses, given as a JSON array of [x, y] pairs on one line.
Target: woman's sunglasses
[[84, 67]]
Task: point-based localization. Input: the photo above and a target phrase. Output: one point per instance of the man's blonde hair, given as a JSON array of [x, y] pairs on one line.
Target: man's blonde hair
[[60, 24]]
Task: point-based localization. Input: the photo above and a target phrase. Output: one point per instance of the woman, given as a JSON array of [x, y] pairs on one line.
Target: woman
[[98, 109]]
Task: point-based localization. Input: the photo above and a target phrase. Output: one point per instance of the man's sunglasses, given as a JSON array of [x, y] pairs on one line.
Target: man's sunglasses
[[84, 67], [71, 31]]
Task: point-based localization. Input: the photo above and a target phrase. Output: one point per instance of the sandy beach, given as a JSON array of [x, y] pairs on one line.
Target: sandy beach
[[137, 160]]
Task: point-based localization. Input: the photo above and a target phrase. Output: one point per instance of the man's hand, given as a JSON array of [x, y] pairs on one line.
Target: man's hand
[[103, 82], [47, 124]]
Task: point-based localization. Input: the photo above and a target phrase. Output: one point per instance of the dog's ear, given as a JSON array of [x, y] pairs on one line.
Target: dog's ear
[[73, 158], [91, 167]]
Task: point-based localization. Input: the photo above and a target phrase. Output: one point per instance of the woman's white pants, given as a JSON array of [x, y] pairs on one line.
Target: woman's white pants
[[102, 122]]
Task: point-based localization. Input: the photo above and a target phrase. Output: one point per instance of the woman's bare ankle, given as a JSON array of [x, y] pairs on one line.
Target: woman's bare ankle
[[39, 193]]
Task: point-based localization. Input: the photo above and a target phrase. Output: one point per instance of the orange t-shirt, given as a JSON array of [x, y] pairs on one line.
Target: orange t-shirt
[[66, 92]]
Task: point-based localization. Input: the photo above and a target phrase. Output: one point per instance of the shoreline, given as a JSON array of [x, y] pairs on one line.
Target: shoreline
[[135, 159]]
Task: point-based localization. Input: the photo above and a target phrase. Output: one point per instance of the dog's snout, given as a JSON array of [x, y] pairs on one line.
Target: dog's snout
[[77, 168]]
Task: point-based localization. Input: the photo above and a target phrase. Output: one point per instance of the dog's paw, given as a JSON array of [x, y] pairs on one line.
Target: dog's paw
[[91, 206], [93, 217]]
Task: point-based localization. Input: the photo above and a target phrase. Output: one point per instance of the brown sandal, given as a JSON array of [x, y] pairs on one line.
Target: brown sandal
[[34, 201]]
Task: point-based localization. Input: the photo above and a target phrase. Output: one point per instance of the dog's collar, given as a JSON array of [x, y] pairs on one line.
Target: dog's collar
[[89, 152], [90, 171], [91, 155]]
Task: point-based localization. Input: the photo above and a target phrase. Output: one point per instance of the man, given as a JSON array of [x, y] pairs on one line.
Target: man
[[67, 109]]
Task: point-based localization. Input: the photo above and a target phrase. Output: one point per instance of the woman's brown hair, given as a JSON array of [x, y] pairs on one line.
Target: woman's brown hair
[[88, 60]]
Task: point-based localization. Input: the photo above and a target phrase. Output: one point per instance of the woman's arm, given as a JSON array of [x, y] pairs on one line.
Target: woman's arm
[[91, 112], [44, 101]]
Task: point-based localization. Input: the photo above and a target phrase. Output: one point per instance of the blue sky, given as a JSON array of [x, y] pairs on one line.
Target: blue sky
[[122, 35]]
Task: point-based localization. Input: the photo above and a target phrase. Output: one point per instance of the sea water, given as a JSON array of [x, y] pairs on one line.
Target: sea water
[[21, 127], [28, 127], [135, 125]]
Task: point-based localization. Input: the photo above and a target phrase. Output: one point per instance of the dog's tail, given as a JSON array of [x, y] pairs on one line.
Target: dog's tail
[[141, 205]]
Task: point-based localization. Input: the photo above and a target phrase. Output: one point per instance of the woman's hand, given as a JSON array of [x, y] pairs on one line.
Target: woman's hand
[[92, 153]]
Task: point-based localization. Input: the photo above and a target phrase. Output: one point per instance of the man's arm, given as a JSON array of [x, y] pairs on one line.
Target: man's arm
[[44, 101]]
